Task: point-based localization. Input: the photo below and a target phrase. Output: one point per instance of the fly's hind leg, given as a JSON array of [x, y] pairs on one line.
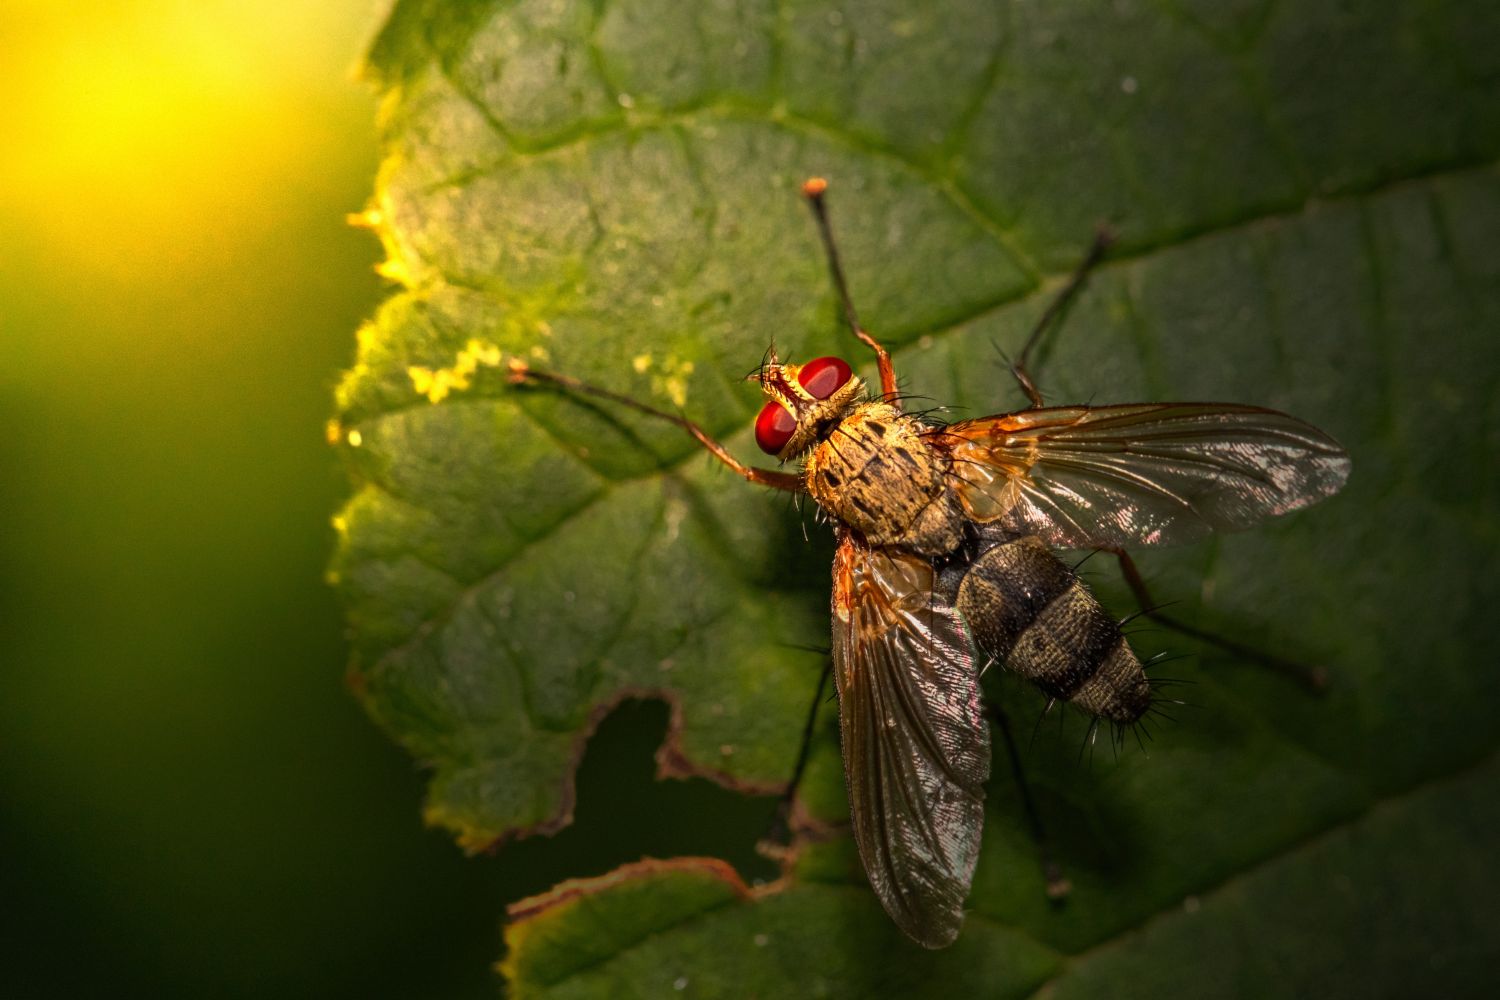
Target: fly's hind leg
[[813, 190], [522, 373], [1058, 886], [1315, 679], [1103, 239]]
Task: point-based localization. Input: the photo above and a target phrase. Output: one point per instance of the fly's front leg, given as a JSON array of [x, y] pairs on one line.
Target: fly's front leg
[[1103, 239], [521, 373], [1315, 679], [813, 190], [887, 373]]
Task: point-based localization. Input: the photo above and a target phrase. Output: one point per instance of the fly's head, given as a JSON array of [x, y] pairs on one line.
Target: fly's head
[[802, 402]]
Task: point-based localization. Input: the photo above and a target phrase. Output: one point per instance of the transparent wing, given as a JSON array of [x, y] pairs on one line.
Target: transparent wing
[[916, 745], [1139, 474]]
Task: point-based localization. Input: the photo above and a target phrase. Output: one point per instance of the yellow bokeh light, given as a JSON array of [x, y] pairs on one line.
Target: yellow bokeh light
[[148, 130]]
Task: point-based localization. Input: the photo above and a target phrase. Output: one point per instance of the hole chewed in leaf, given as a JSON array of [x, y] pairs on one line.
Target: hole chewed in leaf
[[617, 807]]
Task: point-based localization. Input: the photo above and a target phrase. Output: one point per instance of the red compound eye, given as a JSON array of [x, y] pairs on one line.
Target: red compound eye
[[774, 427], [822, 377]]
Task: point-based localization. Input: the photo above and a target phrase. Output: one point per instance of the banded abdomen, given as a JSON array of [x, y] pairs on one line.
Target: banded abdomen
[[1029, 611]]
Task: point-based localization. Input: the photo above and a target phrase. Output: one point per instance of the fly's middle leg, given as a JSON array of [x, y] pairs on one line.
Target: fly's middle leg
[[1103, 239], [780, 833]]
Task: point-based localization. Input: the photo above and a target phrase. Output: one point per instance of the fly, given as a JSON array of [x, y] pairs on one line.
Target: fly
[[945, 564]]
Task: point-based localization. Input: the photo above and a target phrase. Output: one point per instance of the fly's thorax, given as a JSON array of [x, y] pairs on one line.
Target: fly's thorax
[[876, 471], [1031, 612]]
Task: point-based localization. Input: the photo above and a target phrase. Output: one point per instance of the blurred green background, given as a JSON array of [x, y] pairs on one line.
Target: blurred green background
[[190, 802]]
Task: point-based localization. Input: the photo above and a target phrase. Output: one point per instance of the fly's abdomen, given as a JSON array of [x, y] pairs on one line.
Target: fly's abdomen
[[1031, 612]]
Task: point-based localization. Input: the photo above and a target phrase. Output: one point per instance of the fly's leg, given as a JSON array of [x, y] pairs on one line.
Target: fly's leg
[[1315, 679], [813, 190], [1058, 887], [1103, 238], [780, 833], [522, 373]]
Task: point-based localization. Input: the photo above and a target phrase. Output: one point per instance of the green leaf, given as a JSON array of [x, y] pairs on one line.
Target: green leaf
[[1308, 199]]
